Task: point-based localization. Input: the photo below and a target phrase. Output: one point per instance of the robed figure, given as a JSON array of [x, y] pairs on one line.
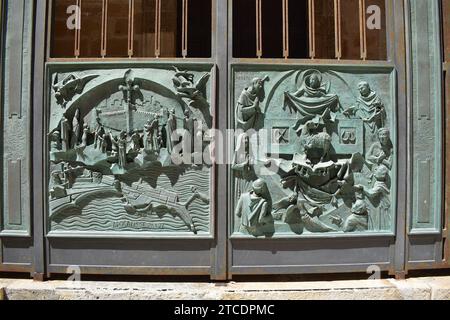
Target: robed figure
[[379, 196], [369, 108], [248, 111], [189, 127], [151, 134], [312, 100], [171, 128], [381, 152], [76, 129], [65, 134], [242, 165], [254, 210]]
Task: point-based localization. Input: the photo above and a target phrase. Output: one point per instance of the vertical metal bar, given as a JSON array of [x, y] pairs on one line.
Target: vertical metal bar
[[185, 30], [78, 29], [258, 29], [286, 29], [362, 29], [157, 28], [130, 28], [312, 29], [337, 29], [396, 11], [37, 146], [222, 51], [446, 230], [104, 28]]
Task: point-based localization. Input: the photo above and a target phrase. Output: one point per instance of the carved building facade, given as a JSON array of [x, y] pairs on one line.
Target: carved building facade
[[224, 138]]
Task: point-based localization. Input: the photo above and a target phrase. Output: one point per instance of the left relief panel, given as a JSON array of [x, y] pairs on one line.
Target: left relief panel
[[128, 149], [16, 116]]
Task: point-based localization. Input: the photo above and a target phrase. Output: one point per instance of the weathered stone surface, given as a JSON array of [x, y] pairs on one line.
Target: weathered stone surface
[[411, 289], [440, 288]]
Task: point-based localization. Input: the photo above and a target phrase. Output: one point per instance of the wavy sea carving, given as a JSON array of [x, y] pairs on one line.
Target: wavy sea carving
[[109, 214]]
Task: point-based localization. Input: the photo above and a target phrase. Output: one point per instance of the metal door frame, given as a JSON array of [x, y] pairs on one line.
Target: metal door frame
[[35, 248], [395, 15], [214, 247]]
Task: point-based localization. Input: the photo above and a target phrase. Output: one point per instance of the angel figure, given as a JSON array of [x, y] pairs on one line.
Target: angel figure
[[183, 82], [71, 85]]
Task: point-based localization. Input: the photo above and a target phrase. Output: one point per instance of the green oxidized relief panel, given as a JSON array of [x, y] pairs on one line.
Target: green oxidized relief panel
[[314, 151], [116, 162]]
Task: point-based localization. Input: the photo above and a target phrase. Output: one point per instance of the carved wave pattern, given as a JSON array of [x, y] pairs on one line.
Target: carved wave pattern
[[103, 215]]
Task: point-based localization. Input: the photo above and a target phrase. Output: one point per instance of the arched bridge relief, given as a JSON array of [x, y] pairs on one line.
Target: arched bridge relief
[[115, 161]]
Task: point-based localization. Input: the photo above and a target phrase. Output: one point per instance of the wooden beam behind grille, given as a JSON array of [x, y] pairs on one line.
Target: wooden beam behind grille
[[312, 28]]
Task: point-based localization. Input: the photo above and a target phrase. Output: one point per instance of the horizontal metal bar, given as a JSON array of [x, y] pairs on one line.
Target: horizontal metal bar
[[309, 269], [135, 270]]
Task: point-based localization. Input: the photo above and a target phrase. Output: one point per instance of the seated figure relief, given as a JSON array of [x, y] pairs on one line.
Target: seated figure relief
[[329, 180]]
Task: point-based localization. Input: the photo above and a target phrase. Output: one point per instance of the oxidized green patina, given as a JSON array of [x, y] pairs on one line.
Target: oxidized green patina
[[314, 150], [115, 161]]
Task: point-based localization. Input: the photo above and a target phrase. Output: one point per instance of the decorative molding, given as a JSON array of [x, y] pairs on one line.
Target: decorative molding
[[426, 99], [17, 66]]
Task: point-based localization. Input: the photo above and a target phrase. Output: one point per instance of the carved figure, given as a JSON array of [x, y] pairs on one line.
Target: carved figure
[[316, 142], [189, 127], [248, 111], [379, 195], [76, 129], [55, 141], [121, 145], [305, 212], [171, 128], [136, 141], [313, 99], [254, 209], [359, 217], [381, 152], [103, 143], [183, 82], [369, 108], [151, 133], [242, 165], [65, 133], [84, 138], [58, 188], [99, 132], [198, 135], [71, 85]]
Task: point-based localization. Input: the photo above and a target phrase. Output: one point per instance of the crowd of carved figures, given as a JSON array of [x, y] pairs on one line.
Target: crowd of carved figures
[[154, 136], [85, 144], [351, 190]]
